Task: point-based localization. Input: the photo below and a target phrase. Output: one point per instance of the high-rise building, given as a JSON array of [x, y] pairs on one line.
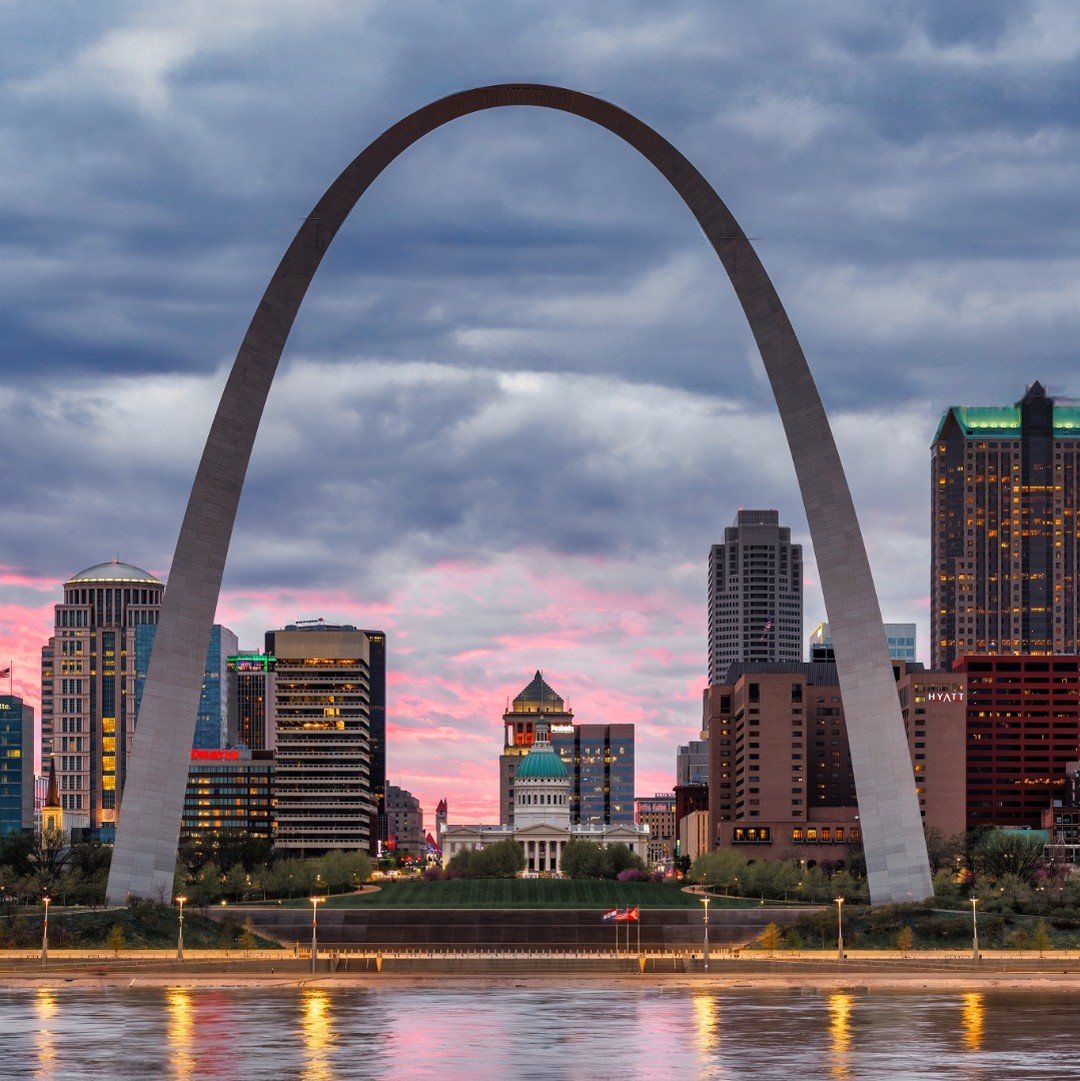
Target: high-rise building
[[322, 778], [1023, 730], [45, 742], [781, 773], [900, 636], [755, 594], [377, 709], [16, 764], [91, 685], [404, 822], [229, 791], [251, 678], [600, 760], [658, 813], [692, 763], [1005, 533], [212, 720]]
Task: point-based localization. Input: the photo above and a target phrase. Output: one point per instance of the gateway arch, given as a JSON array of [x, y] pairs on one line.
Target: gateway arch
[[148, 830]]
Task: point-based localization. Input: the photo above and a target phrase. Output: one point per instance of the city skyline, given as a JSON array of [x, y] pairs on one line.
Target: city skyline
[[543, 559]]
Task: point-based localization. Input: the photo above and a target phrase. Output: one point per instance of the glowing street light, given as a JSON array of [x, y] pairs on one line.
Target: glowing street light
[[45, 931], [974, 929], [180, 937], [315, 929], [705, 902], [839, 928]]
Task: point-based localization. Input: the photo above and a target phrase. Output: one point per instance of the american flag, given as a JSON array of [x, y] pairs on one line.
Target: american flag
[[765, 633]]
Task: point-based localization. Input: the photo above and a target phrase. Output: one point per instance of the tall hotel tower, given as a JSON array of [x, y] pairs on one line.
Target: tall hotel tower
[[1005, 557], [323, 786], [755, 594], [88, 714]]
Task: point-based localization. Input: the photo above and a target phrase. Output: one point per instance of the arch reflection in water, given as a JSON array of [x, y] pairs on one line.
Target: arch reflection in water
[[973, 1017], [840, 1034], [181, 1032], [319, 1036], [45, 1008]]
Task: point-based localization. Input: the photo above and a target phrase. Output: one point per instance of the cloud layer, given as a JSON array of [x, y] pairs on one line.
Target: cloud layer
[[520, 401]]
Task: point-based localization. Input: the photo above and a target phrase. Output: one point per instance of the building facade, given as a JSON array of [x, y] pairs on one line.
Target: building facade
[[600, 760], [229, 790], [755, 594], [658, 813], [251, 681], [1061, 821], [1005, 536], [781, 778], [212, 720], [324, 799], [542, 825], [90, 684], [1023, 728], [900, 636], [404, 822], [16, 764], [692, 763]]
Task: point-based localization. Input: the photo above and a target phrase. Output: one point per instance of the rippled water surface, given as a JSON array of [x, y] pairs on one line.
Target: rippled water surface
[[520, 1032]]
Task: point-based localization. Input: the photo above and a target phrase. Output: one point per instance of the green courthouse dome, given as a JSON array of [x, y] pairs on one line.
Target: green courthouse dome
[[542, 764]]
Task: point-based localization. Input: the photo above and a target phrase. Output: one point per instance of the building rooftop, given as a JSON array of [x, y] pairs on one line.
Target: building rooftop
[[539, 693], [114, 571], [542, 764]]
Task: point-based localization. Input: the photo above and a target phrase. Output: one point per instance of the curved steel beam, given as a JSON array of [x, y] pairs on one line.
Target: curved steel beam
[[145, 854]]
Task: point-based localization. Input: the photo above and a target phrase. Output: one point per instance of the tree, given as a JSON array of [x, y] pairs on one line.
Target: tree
[[904, 939], [771, 937], [116, 940], [1010, 852], [504, 859], [582, 859], [619, 857], [247, 938], [1040, 940], [719, 868]]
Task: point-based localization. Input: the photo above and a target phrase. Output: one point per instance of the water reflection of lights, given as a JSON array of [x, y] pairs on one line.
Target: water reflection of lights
[[840, 1033], [319, 1036], [180, 1033], [973, 1020], [706, 1021], [45, 1005]]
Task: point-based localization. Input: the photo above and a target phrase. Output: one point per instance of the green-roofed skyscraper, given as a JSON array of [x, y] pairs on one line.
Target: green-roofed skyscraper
[[1004, 551]]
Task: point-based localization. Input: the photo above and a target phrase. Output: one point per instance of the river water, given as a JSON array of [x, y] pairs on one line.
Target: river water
[[534, 1033]]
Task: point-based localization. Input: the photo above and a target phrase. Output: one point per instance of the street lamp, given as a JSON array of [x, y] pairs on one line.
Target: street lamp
[[45, 931], [315, 929], [705, 902], [974, 930], [839, 928], [180, 937]]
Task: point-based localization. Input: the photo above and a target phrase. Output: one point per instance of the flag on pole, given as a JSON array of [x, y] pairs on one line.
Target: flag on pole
[[622, 917], [5, 672], [612, 915], [633, 914]]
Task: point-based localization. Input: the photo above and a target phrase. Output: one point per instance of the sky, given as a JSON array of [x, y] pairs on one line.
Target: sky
[[520, 401]]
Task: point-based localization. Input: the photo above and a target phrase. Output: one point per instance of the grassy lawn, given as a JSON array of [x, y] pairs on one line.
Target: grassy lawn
[[522, 893]]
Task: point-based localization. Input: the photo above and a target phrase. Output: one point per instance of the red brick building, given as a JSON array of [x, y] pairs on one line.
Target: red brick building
[[781, 782], [1023, 729]]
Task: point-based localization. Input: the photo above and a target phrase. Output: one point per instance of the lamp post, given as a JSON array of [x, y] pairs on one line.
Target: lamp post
[[839, 928], [315, 929], [974, 930], [705, 902], [180, 936], [45, 931]]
